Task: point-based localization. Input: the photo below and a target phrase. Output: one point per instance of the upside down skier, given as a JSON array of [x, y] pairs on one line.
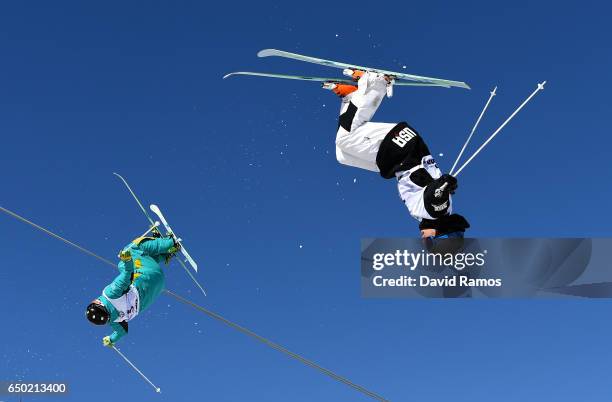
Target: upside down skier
[[394, 150], [140, 281]]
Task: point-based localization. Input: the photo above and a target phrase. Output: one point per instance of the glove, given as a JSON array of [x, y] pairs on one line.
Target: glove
[[106, 341]]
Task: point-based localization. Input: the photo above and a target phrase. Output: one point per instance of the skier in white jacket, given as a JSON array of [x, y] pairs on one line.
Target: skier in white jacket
[[395, 150]]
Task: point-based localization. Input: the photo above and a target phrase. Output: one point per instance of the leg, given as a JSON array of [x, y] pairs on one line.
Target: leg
[[364, 102], [358, 139], [151, 281], [156, 247], [359, 147]]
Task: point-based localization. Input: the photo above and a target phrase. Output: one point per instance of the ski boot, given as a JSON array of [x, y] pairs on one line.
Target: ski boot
[[343, 90], [357, 74], [354, 74]]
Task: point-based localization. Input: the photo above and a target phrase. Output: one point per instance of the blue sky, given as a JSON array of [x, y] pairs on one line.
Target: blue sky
[[245, 170]]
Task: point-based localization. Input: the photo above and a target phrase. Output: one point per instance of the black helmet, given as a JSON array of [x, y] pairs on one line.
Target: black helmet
[[97, 314]]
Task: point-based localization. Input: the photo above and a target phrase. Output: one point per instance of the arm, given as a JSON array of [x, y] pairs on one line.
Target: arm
[[122, 282], [120, 329], [154, 248]]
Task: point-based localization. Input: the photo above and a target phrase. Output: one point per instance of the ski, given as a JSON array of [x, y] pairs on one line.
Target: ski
[[336, 64], [142, 208], [324, 79], [153, 223], [155, 209]]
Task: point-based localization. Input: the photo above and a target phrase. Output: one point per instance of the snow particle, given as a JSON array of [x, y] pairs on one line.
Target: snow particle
[[441, 154]]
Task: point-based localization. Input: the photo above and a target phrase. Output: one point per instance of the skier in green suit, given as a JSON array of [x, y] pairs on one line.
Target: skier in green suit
[[138, 284]]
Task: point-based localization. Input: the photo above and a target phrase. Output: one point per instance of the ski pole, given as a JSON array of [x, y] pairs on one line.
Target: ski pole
[[157, 389], [538, 89], [473, 130]]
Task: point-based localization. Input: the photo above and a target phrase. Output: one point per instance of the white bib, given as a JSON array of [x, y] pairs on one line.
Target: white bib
[[127, 305]]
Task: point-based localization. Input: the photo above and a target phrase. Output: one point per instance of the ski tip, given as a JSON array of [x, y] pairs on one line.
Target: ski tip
[[267, 52], [456, 84], [237, 73], [154, 208], [158, 390]]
